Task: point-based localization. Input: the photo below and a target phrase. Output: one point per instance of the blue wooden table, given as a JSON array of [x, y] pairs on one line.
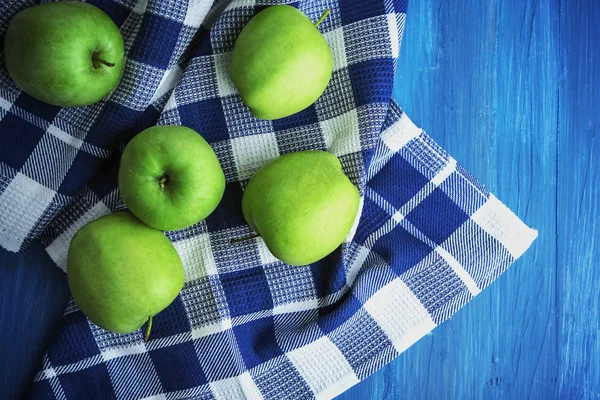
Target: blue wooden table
[[512, 90]]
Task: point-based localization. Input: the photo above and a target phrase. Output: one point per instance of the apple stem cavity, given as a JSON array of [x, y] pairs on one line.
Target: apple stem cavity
[[234, 241], [148, 329], [162, 181], [96, 60], [322, 18]]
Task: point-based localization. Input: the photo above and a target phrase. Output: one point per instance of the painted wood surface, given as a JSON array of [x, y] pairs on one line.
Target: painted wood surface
[[512, 90]]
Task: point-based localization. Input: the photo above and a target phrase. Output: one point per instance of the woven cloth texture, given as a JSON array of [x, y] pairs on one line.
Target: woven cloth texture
[[428, 239]]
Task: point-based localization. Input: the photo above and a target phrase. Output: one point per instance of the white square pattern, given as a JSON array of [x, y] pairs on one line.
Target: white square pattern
[[224, 82], [197, 257], [341, 133], [252, 152], [503, 225], [242, 387], [196, 12], [402, 328], [32, 199], [335, 40], [322, 364], [266, 257]]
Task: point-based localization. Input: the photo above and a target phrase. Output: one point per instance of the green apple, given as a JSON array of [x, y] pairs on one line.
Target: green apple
[[67, 53], [122, 272], [170, 177], [302, 205], [281, 63]]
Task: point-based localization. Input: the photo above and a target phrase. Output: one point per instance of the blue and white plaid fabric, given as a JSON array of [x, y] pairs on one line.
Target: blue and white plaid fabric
[[429, 237]]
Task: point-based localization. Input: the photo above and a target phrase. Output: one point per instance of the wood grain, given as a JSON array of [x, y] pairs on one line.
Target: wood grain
[[512, 90], [33, 296]]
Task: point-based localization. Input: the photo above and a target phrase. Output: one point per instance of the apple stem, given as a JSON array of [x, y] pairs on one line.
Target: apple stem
[[148, 329], [101, 61], [162, 180], [234, 241], [322, 18]]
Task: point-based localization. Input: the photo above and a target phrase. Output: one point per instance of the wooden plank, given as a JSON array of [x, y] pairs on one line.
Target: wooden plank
[[578, 235], [482, 78], [33, 296]]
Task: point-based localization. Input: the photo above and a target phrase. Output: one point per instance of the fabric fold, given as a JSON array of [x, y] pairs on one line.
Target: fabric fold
[[429, 238]]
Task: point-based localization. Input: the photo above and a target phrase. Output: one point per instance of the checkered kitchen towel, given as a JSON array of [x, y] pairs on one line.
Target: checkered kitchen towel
[[430, 237]]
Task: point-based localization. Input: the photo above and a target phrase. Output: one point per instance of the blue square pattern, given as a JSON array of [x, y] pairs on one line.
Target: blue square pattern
[[90, 383], [329, 274], [116, 11], [334, 315], [247, 291], [246, 294], [42, 390], [75, 343], [280, 380], [133, 368], [467, 196], [119, 123], [170, 321], [83, 168], [199, 46], [401, 249], [205, 117], [303, 118], [106, 179], [401, 6], [373, 275], [228, 364], [353, 11], [425, 216], [228, 213], [155, 41], [177, 367], [296, 329], [372, 80], [256, 341], [36, 107], [360, 339], [18, 138], [372, 218]]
